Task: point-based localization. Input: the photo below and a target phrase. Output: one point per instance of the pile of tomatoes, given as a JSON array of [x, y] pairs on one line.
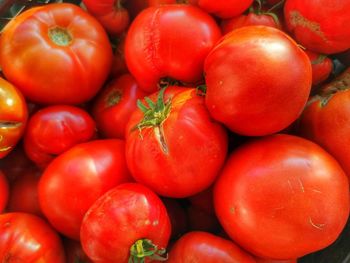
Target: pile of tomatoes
[[201, 131]]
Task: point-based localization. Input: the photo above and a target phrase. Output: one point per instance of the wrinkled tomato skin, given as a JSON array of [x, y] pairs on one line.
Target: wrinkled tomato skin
[[4, 191], [258, 80], [160, 43], [198, 247], [13, 117], [277, 189], [319, 29], [77, 178], [321, 68], [52, 67], [55, 129], [119, 218], [225, 8], [114, 106], [28, 238]]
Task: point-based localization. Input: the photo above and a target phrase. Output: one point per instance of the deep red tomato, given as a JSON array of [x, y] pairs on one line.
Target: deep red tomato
[[110, 13], [74, 252], [136, 6], [28, 238], [169, 41], [258, 80], [114, 106], [55, 54], [318, 25], [13, 116], [55, 129], [178, 217], [321, 67], [225, 8], [200, 247], [4, 191], [282, 197], [173, 142], [77, 178], [129, 221]]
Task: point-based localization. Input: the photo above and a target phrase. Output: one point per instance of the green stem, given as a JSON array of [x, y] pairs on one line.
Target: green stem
[[144, 248]]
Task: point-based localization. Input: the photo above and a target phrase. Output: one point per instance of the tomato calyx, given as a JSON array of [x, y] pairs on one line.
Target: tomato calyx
[[259, 11], [320, 58], [60, 36], [144, 248]]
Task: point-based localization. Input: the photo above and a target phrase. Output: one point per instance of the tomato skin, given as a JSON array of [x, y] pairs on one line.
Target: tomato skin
[[188, 126], [136, 6], [263, 260], [55, 129], [225, 8], [4, 191], [258, 80], [114, 106], [198, 247], [321, 67], [69, 72], [275, 190], [13, 116], [92, 168], [159, 43], [28, 238], [319, 29], [126, 213]]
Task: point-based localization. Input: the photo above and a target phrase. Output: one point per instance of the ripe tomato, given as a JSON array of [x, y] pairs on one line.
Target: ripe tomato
[[321, 67], [282, 197], [4, 191], [200, 247], [258, 80], [28, 238], [173, 142], [13, 116], [318, 25], [263, 260], [225, 8], [55, 54], [160, 43], [136, 6], [119, 65], [129, 221], [77, 178], [55, 129], [114, 106]]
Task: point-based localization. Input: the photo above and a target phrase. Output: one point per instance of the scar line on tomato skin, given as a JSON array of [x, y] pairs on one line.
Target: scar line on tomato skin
[[318, 226]]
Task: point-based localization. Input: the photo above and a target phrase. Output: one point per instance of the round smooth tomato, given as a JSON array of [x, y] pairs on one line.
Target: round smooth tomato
[[74, 180], [169, 41], [115, 104], [173, 146], [13, 116], [55, 54], [199, 247], [55, 129], [4, 191], [282, 197], [258, 80], [126, 224], [28, 238], [318, 25], [225, 8]]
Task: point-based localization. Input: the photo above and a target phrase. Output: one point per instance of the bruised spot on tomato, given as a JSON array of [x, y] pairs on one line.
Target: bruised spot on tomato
[[113, 98], [10, 124], [60, 36]]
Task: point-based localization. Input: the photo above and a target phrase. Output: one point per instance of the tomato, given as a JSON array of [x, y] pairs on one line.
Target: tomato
[[198, 247], [129, 221], [263, 260], [24, 193], [77, 178], [136, 6], [110, 13], [160, 43], [119, 65], [4, 191], [173, 142], [258, 80], [318, 25], [321, 67], [28, 238], [13, 116], [115, 104], [55, 129], [282, 197], [225, 8], [74, 252], [178, 217], [55, 54], [326, 119]]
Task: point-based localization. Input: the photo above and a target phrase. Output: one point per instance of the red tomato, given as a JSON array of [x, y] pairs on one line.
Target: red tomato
[[225, 8], [173, 146], [318, 25], [74, 252], [178, 217], [282, 197], [200, 247], [128, 221], [136, 6], [77, 178], [114, 106], [119, 65], [263, 260], [4, 191], [110, 13], [55, 54], [258, 80], [160, 43], [321, 67], [28, 238], [13, 116]]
